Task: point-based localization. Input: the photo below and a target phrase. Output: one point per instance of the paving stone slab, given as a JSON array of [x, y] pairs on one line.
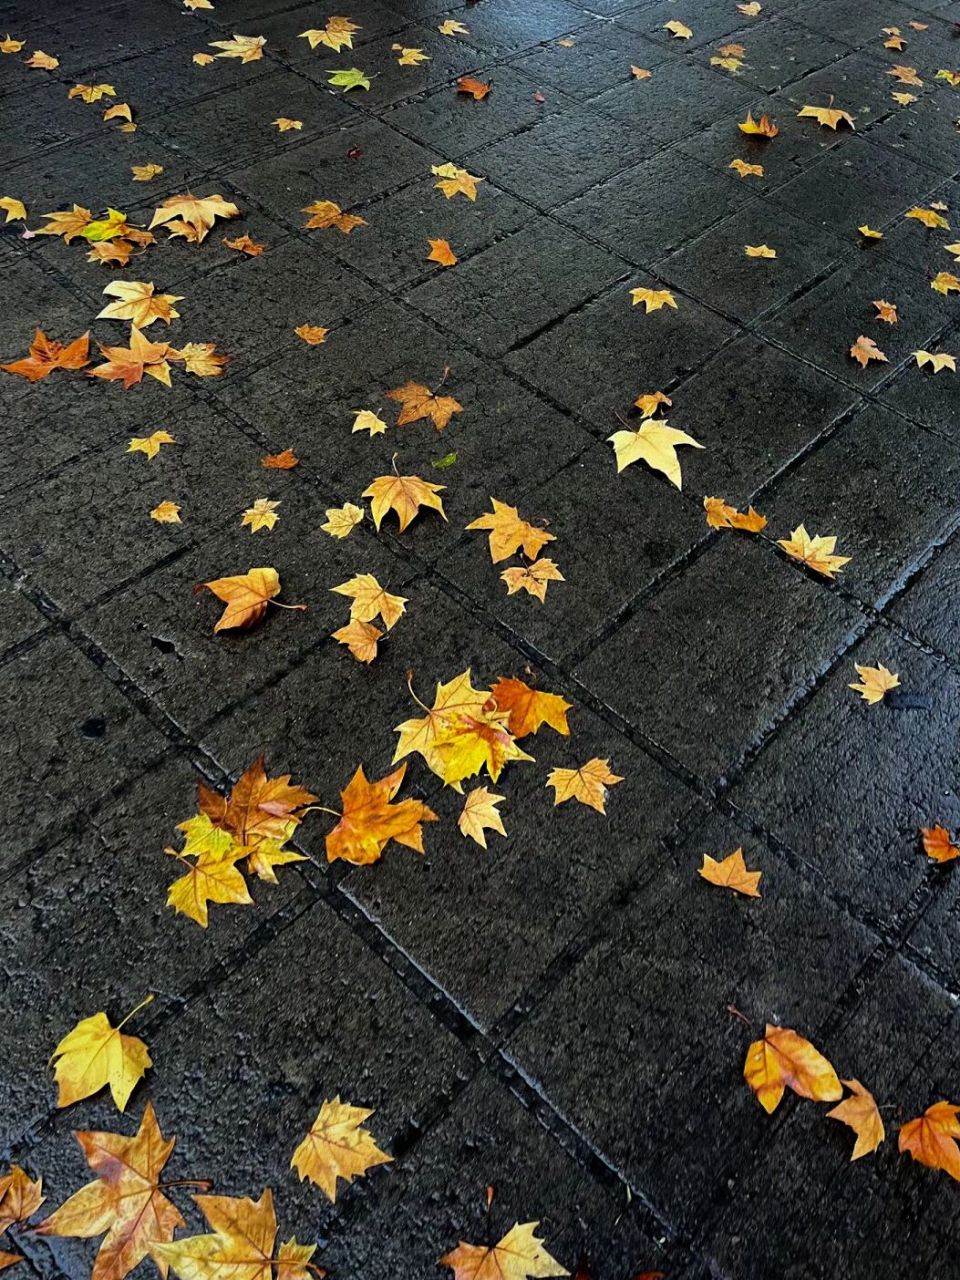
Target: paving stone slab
[[679, 99], [506, 293], [283, 30], [19, 619], [741, 662], [928, 607], [778, 52], [915, 392], [858, 84], [926, 131], [499, 27], [848, 21], [709, 20], [600, 58], [48, 118], [807, 785], [654, 992]]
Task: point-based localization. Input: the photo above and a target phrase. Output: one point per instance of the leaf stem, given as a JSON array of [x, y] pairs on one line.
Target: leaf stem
[[142, 1005]]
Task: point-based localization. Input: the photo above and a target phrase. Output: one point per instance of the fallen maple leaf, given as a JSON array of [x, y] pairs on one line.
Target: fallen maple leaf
[[20, 1197], [367, 420], [197, 213], [654, 442], [945, 282], [816, 552], [869, 233], [312, 334], [450, 27], [150, 445], [121, 111], [66, 223], [783, 1059], [588, 784], [361, 638], [829, 117], [751, 9], [728, 63], [420, 402], [166, 513], [746, 170], [112, 253], [137, 302], [212, 876], [455, 181], [200, 359], [640, 73], [404, 495], [325, 214], [895, 42], [528, 708], [653, 299], [864, 350], [951, 77], [509, 533], [203, 59], [45, 355], [247, 596], [759, 251], [240, 1246], [518, 1256], [125, 1200], [370, 820], [931, 1138], [129, 364], [285, 124], [41, 61], [9, 45], [532, 578], [936, 362], [862, 1114], [649, 401], [905, 75], [886, 311], [904, 99], [262, 515], [337, 1147], [348, 78], [337, 34], [14, 209], [244, 244], [341, 521], [95, 1054], [441, 252], [678, 29], [410, 57], [731, 873], [762, 128], [371, 601], [456, 697], [720, 515], [929, 217], [92, 92], [284, 461], [938, 845], [145, 172], [479, 815], [476, 89], [246, 48], [112, 227]]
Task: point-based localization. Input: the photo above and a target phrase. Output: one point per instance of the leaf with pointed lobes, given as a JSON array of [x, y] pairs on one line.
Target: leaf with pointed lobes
[[655, 442], [45, 355], [533, 578], [361, 638], [759, 251], [337, 1147], [312, 334], [285, 124], [936, 362], [440, 251], [762, 128], [9, 45], [746, 170], [455, 181], [213, 876], [244, 244], [816, 552], [128, 365], [587, 784], [529, 709], [20, 1197], [869, 233], [15, 210], [341, 521], [197, 213], [456, 697], [284, 461], [419, 402], [886, 311], [905, 75], [476, 89], [932, 1138], [649, 402], [95, 1054], [864, 350], [828, 117], [262, 515], [479, 815], [929, 217], [945, 282], [201, 359], [337, 34], [370, 819], [246, 596], [367, 420], [404, 495], [324, 214], [137, 302], [125, 1201], [653, 299], [874, 682], [470, 741], [519, 1255], [679, 30], [938, 845], [246, 48], [150, 445], [410, 57], [239, 1247], [41, 61], [509, 533], [145, 172], [370, 600], [348, 78], [731, 873], [92, 92], [783, 1059], [451, 27], [862, 1114], [720, 515], [258, 807], [66, 223], [166, 513]]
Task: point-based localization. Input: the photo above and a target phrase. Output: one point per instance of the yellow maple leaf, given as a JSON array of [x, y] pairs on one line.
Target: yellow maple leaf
[[197, 213], [937, 362], [410, 57], [751, 8], [244, 244], [874, 682], [419, 402], [166, 513], [929, 217], [931, 1138], [95, 1054], [904, 99], [457, 696], [337, 1147], [868, 232], [41, 61], [337, 34], [938, 845], [370, 600], [520, 1255], [762, 128], [325, 214], [469, 741], [450, 27], [726, 63], [14, 209], [720, 515], [588, 784], [829, 117], [816, 552], [341, 521], [9, 45], [262, 515], [404, 495], [653, 299], [137, 302], [479, 815], [145, 172], [200, 359], [746, 170], [367, 420], [361, 638], [66, 223], [655, 442], [759, 251], [285, 124], [945, 282], [150, 445], [783, 1059], [864, 350], [246, 596], [240, 1245], [441, 252], [731, 873], [952, 77], [312, 334], [532, 578], [246, 48], [92, 92], [121, 111], [905, 75], [509, 533], [649, 402], [640, 73], [862, 1114], [210, 856], [679, 30], [203, 59], [455, 181]]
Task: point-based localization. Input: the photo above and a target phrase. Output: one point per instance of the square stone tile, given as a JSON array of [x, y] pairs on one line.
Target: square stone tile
[[588, 507], [19, 619], [733, 641], [498, 27], [679, 99], [506, 293], [807, 785], [600, 58], [637, 352], [123, 30], [928, 608], [857, 83], [708, 19], [681, 1123], [778, 52], [465, 912], [849, 21], [47, 118], [283, 30], [716, 269], [646, 212], [926, 131], [926, 396]]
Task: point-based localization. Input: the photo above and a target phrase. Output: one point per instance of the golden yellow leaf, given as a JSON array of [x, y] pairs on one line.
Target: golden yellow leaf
[[528, 708], [886, 311], [649, 401], [640, 73], [783, 1059], [929, 217], [244, 244], [726, 63], [213, 876], [312, 334], [240, 1246], [325, 214], [111, 253], [874, 682], [336, 35], [751, 9], [868, 233], [95, 1054], [67, 223], [952, 77], [931, 1138], [166, 513], [92, 92], [938, 845], [895, 42], [679, 30], [450, 27], [455, 698], [864, 350], [441, 252], [731, 873], [759, 251], [121, 111], [469, 741], [246, 597], [361, 638], [370, 600], [419, 402], [762, 128], [653, 299], [137, 302], [829, 117], [588, 784], [246, 48], [655, 442], [479, 815], [370, 820], [404, 495], [532, 578], [455, 181], [197, 4], [410, 57], [567, 42], [197, 213], [200, 359], [150, 445], [367, 420], [937, 362], [145, 172], [905, 75], [816, 552], [337, 1147], [9, 45], [862, 1114], [720, 515], [41, 61], [904, 99], [520, 1255], [14, 209], [509, 533], [285, 124], [341, 521], [746, 170], [945, 282], [203, 59], [262, 515]]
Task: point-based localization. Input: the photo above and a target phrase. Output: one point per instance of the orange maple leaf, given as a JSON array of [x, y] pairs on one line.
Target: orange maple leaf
[[129, 364], [258, 807], [477, 89], [783, 1059], [528, 708], [370, 820], [45, 355], [420, 402], [247, 596], [508, 532], [931, 1138], [938, 845]]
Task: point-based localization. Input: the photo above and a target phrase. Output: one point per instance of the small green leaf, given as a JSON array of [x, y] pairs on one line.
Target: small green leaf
[[447, 460], [107, 228], [352, 79]]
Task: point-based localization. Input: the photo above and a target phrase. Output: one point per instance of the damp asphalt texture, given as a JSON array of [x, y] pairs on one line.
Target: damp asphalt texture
[[556, 1017]]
